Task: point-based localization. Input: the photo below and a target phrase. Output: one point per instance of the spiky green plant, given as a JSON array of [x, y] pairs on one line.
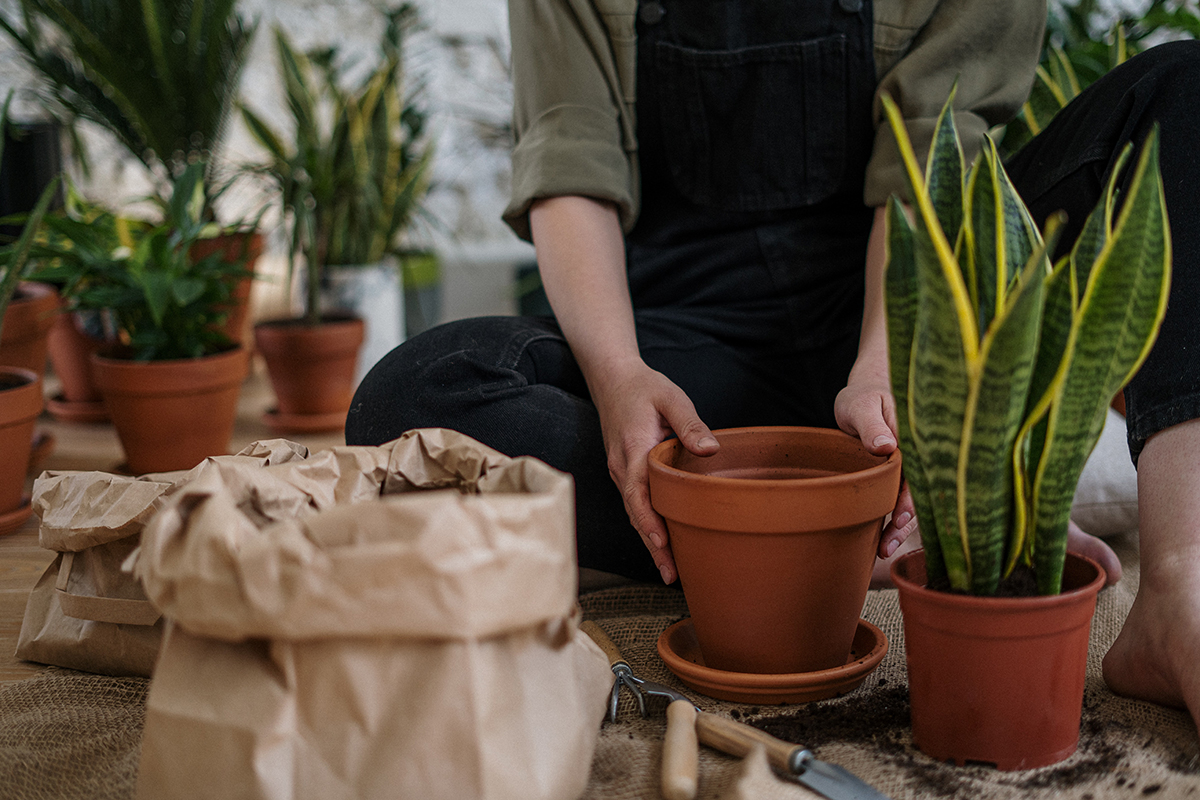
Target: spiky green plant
[[352, 178], [161, 75], [1002, 364]]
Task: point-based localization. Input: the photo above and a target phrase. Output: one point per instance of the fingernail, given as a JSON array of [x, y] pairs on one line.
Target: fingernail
[[882, 440], [657, 540], [899, 522], [666, 573], [707, 441], [890, 547]]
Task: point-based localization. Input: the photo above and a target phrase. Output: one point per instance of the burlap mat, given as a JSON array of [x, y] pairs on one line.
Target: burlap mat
[[68, 735]]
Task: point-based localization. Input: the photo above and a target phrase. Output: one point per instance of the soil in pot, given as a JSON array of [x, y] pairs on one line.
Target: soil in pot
[[20, 404], [312, 370], [172, 414], [774, 538], [997, 680]]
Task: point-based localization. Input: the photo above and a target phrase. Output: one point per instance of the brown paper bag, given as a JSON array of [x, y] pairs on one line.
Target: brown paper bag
[[86, 612], [371, 622]]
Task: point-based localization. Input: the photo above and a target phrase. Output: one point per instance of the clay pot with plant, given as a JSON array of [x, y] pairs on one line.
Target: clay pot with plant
[[20, 388], [349, 182], [1003, 365], [171, 377]]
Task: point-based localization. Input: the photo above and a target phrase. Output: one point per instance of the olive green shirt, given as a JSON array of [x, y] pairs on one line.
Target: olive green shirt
[[574, 99]]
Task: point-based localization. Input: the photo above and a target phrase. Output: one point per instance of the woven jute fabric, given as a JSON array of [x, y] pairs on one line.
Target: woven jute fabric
[[69, 735]]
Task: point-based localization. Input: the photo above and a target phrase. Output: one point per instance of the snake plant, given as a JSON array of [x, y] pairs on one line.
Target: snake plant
[[1002, 363], [352, 178]]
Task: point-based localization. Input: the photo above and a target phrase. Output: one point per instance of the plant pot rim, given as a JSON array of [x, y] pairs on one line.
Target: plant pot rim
[[164, 362], [297, 322], [659, 465], [970, 601], [20, 372]]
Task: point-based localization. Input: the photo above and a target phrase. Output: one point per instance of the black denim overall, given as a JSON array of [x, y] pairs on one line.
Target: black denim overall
[[745, 267]]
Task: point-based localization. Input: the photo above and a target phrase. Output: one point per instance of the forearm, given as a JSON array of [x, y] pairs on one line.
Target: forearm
[[581, 257]]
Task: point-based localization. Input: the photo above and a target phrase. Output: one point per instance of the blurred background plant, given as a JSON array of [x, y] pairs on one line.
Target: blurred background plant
[[1084, 40], [352, 176], [160, 75]]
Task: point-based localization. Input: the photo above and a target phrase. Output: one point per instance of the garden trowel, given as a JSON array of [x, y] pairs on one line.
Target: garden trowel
[[735, 738]]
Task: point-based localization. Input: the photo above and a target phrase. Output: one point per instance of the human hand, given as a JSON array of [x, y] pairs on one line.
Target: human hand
[[639, 408], [866, 409]]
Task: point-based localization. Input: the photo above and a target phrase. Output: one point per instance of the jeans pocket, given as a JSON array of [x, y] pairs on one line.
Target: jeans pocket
[[755, 129]]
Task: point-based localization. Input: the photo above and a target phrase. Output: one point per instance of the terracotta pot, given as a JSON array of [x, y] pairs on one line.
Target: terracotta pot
[[27, 323], [312, 370], [71, 352], [172, 414], [997, 680], [234, 247], [20, 404], [774, 538]]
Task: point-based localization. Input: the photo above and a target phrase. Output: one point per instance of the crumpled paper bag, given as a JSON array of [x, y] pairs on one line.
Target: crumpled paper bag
[[394, 621], [86, 612]]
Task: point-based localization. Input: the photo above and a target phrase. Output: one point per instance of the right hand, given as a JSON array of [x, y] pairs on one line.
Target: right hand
[[640, 407]]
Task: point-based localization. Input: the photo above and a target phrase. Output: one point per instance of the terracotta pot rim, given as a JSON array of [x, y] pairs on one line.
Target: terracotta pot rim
[[20, 372], [657, 464], [164, 362], [327, 320], [968, 601]]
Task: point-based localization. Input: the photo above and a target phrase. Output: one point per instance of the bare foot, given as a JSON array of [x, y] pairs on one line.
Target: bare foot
[[1157, 655], [1085, 544]]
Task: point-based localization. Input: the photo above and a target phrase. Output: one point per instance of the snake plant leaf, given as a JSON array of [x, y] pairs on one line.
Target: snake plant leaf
[[1097, 229], [1114, 327], [995, 409], [944, 173], [901, 298]]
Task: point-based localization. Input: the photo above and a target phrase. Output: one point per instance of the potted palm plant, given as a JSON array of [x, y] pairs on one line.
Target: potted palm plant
[[172, 376], [20, 388], [161, 76], [1002, 367], [349, 182]]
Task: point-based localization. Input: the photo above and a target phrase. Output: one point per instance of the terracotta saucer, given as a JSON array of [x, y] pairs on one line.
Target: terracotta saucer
[[10, 521], [77, 411], [304, 423], [678, 648]]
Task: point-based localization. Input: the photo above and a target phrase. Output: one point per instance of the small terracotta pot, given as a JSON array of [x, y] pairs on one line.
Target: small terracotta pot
[[71, 352], [27, 323], [20, 404], [311, 369], [774, 538], [997, 680], [172, 414], [234, 247]]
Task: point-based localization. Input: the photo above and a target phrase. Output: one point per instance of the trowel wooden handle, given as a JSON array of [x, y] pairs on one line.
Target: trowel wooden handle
[[606, 644], [680, 752], [738, 739]]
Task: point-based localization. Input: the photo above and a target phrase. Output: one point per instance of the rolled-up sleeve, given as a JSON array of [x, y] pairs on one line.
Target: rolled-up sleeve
[[571, 116], [990, 48]]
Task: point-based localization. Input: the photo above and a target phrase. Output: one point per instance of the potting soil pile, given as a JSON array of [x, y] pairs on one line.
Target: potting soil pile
[[71, 735]]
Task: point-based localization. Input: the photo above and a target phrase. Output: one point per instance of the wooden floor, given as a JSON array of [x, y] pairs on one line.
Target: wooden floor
[[96, 447]]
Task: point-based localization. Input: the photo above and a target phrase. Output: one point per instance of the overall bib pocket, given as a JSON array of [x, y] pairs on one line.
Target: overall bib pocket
[[758, 128]]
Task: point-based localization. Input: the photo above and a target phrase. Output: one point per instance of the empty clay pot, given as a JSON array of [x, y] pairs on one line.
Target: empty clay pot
[[27, 323], [997, 680], [774, 538]]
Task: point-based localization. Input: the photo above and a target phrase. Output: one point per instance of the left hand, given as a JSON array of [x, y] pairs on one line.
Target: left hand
[[866, 409]]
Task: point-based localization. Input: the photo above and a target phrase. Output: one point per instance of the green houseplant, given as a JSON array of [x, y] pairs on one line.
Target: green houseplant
[[1002, 367], [166, 309], [350, 181]]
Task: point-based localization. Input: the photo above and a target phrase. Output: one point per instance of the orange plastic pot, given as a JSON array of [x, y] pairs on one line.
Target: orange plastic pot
[[997, 680], [20, 404], [774, 538], [27, 323], [312, 370], [175, 413]]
